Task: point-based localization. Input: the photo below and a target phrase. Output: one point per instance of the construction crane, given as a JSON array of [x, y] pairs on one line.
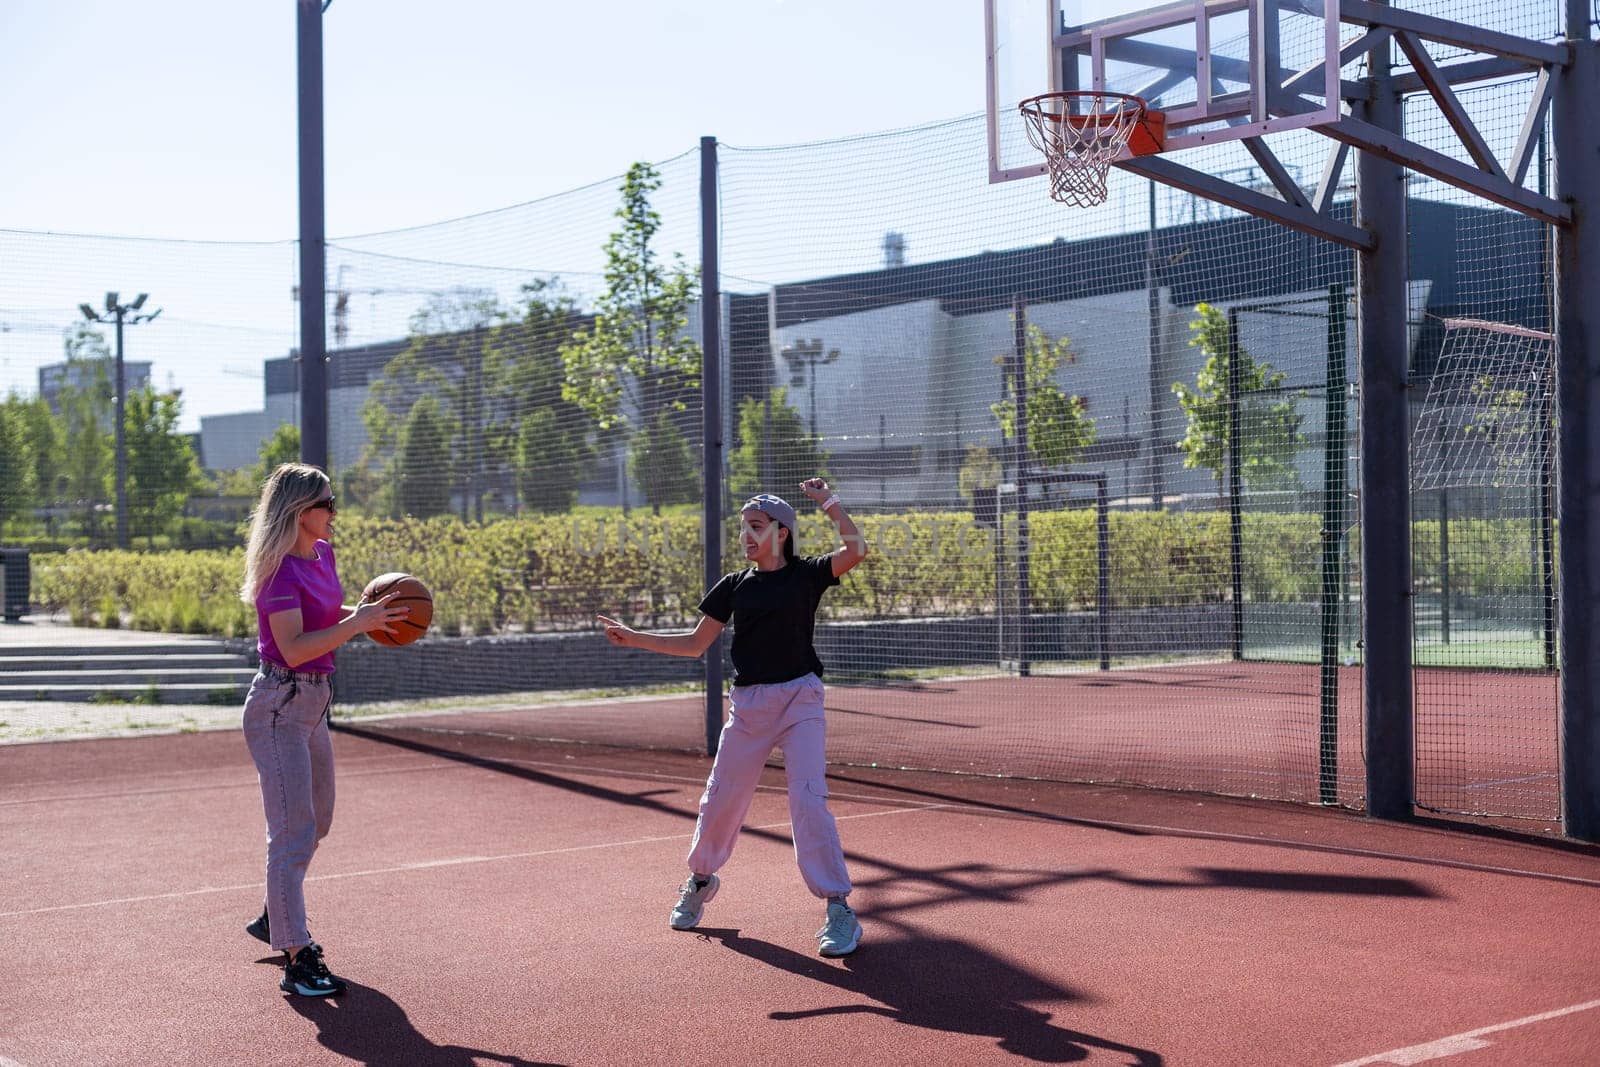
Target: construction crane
[[342, 293]]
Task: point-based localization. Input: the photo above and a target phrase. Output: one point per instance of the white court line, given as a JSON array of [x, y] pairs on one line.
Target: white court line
[[424, 764], [357, 763], [1463, 1042], [455, 861], [6, 1061], [1542, 777]]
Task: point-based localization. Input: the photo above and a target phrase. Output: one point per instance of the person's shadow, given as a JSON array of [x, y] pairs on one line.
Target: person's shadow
[[943, 984], [368, 1027]]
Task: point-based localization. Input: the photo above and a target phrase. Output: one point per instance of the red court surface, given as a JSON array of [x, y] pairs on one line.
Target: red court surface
[[1235, 728], [505, 901]]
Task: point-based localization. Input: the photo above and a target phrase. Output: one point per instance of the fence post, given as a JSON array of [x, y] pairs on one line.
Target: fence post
[[313, 239], [1385, 465], [1235, 412], [1333, 521], [711, 434], [1024, 468], [1577, 285]]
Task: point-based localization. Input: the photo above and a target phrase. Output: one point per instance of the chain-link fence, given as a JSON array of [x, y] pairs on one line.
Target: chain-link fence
[[1106, 460]]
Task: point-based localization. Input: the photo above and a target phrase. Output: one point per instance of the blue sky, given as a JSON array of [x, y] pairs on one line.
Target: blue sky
[[176, 118]]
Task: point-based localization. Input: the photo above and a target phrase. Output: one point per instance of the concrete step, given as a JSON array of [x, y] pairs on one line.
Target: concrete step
[[116, 661], [134, 676], [10, 651], [174, 693]]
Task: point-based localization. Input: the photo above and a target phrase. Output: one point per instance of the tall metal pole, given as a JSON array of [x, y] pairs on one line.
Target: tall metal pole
[[1547, 458], [1102, 561], [711, 393], [1385, 464], [1024, 467], [313, 239], [1235, 412], [121, 438], [1333, 520], [811, 373], [1576, 141], [1158, 397]]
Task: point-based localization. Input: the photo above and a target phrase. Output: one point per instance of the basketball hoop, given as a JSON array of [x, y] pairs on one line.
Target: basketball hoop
[[1081, 133]]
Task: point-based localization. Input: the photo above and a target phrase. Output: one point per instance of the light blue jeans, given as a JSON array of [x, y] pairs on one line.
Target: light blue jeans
[[286, 728]]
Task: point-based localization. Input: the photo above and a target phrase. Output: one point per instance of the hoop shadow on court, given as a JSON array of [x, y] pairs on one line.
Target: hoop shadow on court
[[940, 983], [369, 1027]]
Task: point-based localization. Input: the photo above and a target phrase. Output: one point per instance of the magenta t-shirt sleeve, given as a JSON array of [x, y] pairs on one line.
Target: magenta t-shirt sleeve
[[312, 586]]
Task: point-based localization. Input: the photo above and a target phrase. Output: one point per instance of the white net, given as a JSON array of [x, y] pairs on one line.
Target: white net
[[1484, 574], [1080, 134]]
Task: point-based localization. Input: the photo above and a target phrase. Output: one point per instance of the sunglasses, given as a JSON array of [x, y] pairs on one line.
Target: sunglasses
[[324, 505]]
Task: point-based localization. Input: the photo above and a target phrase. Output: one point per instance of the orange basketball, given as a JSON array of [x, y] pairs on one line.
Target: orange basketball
[[409, 593]]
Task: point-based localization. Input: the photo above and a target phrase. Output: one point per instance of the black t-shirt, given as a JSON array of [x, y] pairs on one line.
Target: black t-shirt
[[773, 613]]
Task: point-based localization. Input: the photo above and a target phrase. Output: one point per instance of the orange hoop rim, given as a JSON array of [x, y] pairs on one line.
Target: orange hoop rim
[[1033, 106]]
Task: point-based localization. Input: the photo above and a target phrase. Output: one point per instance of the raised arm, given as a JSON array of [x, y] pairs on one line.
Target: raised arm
[[854, 547], [693, 643]]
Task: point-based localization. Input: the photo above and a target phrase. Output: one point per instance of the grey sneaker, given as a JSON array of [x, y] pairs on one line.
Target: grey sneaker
[[692, 901], [841, 934]]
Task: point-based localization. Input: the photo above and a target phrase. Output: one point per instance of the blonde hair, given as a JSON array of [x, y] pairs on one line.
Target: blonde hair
[[275, 523]]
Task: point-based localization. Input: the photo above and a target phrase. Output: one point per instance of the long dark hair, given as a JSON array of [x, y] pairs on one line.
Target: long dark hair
[[788, 544]]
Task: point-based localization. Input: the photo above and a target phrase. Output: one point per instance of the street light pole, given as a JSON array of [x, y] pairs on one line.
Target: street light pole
[[119, 313], [808, 354], [121, 417]]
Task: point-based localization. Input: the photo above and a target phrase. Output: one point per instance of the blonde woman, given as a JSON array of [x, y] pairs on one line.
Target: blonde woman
[[290, 578]]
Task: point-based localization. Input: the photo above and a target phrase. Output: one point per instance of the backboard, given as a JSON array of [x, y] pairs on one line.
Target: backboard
[[1221, 70]]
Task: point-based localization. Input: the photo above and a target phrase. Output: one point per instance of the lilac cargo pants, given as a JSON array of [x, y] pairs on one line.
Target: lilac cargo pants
[[788, 716], [286, 727]]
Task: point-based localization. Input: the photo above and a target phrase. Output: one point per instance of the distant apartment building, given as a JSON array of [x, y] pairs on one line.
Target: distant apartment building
[[898, 371], [83, 373]]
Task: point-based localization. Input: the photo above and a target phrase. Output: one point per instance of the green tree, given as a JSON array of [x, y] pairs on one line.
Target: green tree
[[981, 470], [775, 452], [454, 355], [1504, 418], [42, 439], [86, 411], [1270, 425], [282, 447], [421, 475], [549, 462], [1059, 427], [162, 468], [635, 366], [16, 462], [550, 442]]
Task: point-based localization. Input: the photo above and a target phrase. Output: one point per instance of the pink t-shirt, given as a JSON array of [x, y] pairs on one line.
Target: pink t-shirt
[[312, 585]]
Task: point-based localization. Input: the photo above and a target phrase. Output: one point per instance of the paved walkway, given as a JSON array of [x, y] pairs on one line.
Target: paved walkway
[[31, 720]]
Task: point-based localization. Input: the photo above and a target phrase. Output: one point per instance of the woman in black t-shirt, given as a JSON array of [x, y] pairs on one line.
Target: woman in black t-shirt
[[776, 701]]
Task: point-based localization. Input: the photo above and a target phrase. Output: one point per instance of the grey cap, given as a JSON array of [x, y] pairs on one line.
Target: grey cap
[[774, 507]]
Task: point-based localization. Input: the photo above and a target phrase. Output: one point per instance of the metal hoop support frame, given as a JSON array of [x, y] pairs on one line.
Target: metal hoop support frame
[[1082, 132]]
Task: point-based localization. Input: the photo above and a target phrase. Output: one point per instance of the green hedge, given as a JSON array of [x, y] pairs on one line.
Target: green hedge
[[554, 572]]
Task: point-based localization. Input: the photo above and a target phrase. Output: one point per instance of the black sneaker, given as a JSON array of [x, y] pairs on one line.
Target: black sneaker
[[260, 928], [308, 976]]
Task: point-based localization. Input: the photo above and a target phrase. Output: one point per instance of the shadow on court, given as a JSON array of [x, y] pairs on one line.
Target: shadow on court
[[942, 984], [964, 882], [366, 1026]]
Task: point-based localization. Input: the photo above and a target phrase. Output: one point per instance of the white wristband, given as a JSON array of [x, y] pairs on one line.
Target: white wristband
[[830, 502]]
